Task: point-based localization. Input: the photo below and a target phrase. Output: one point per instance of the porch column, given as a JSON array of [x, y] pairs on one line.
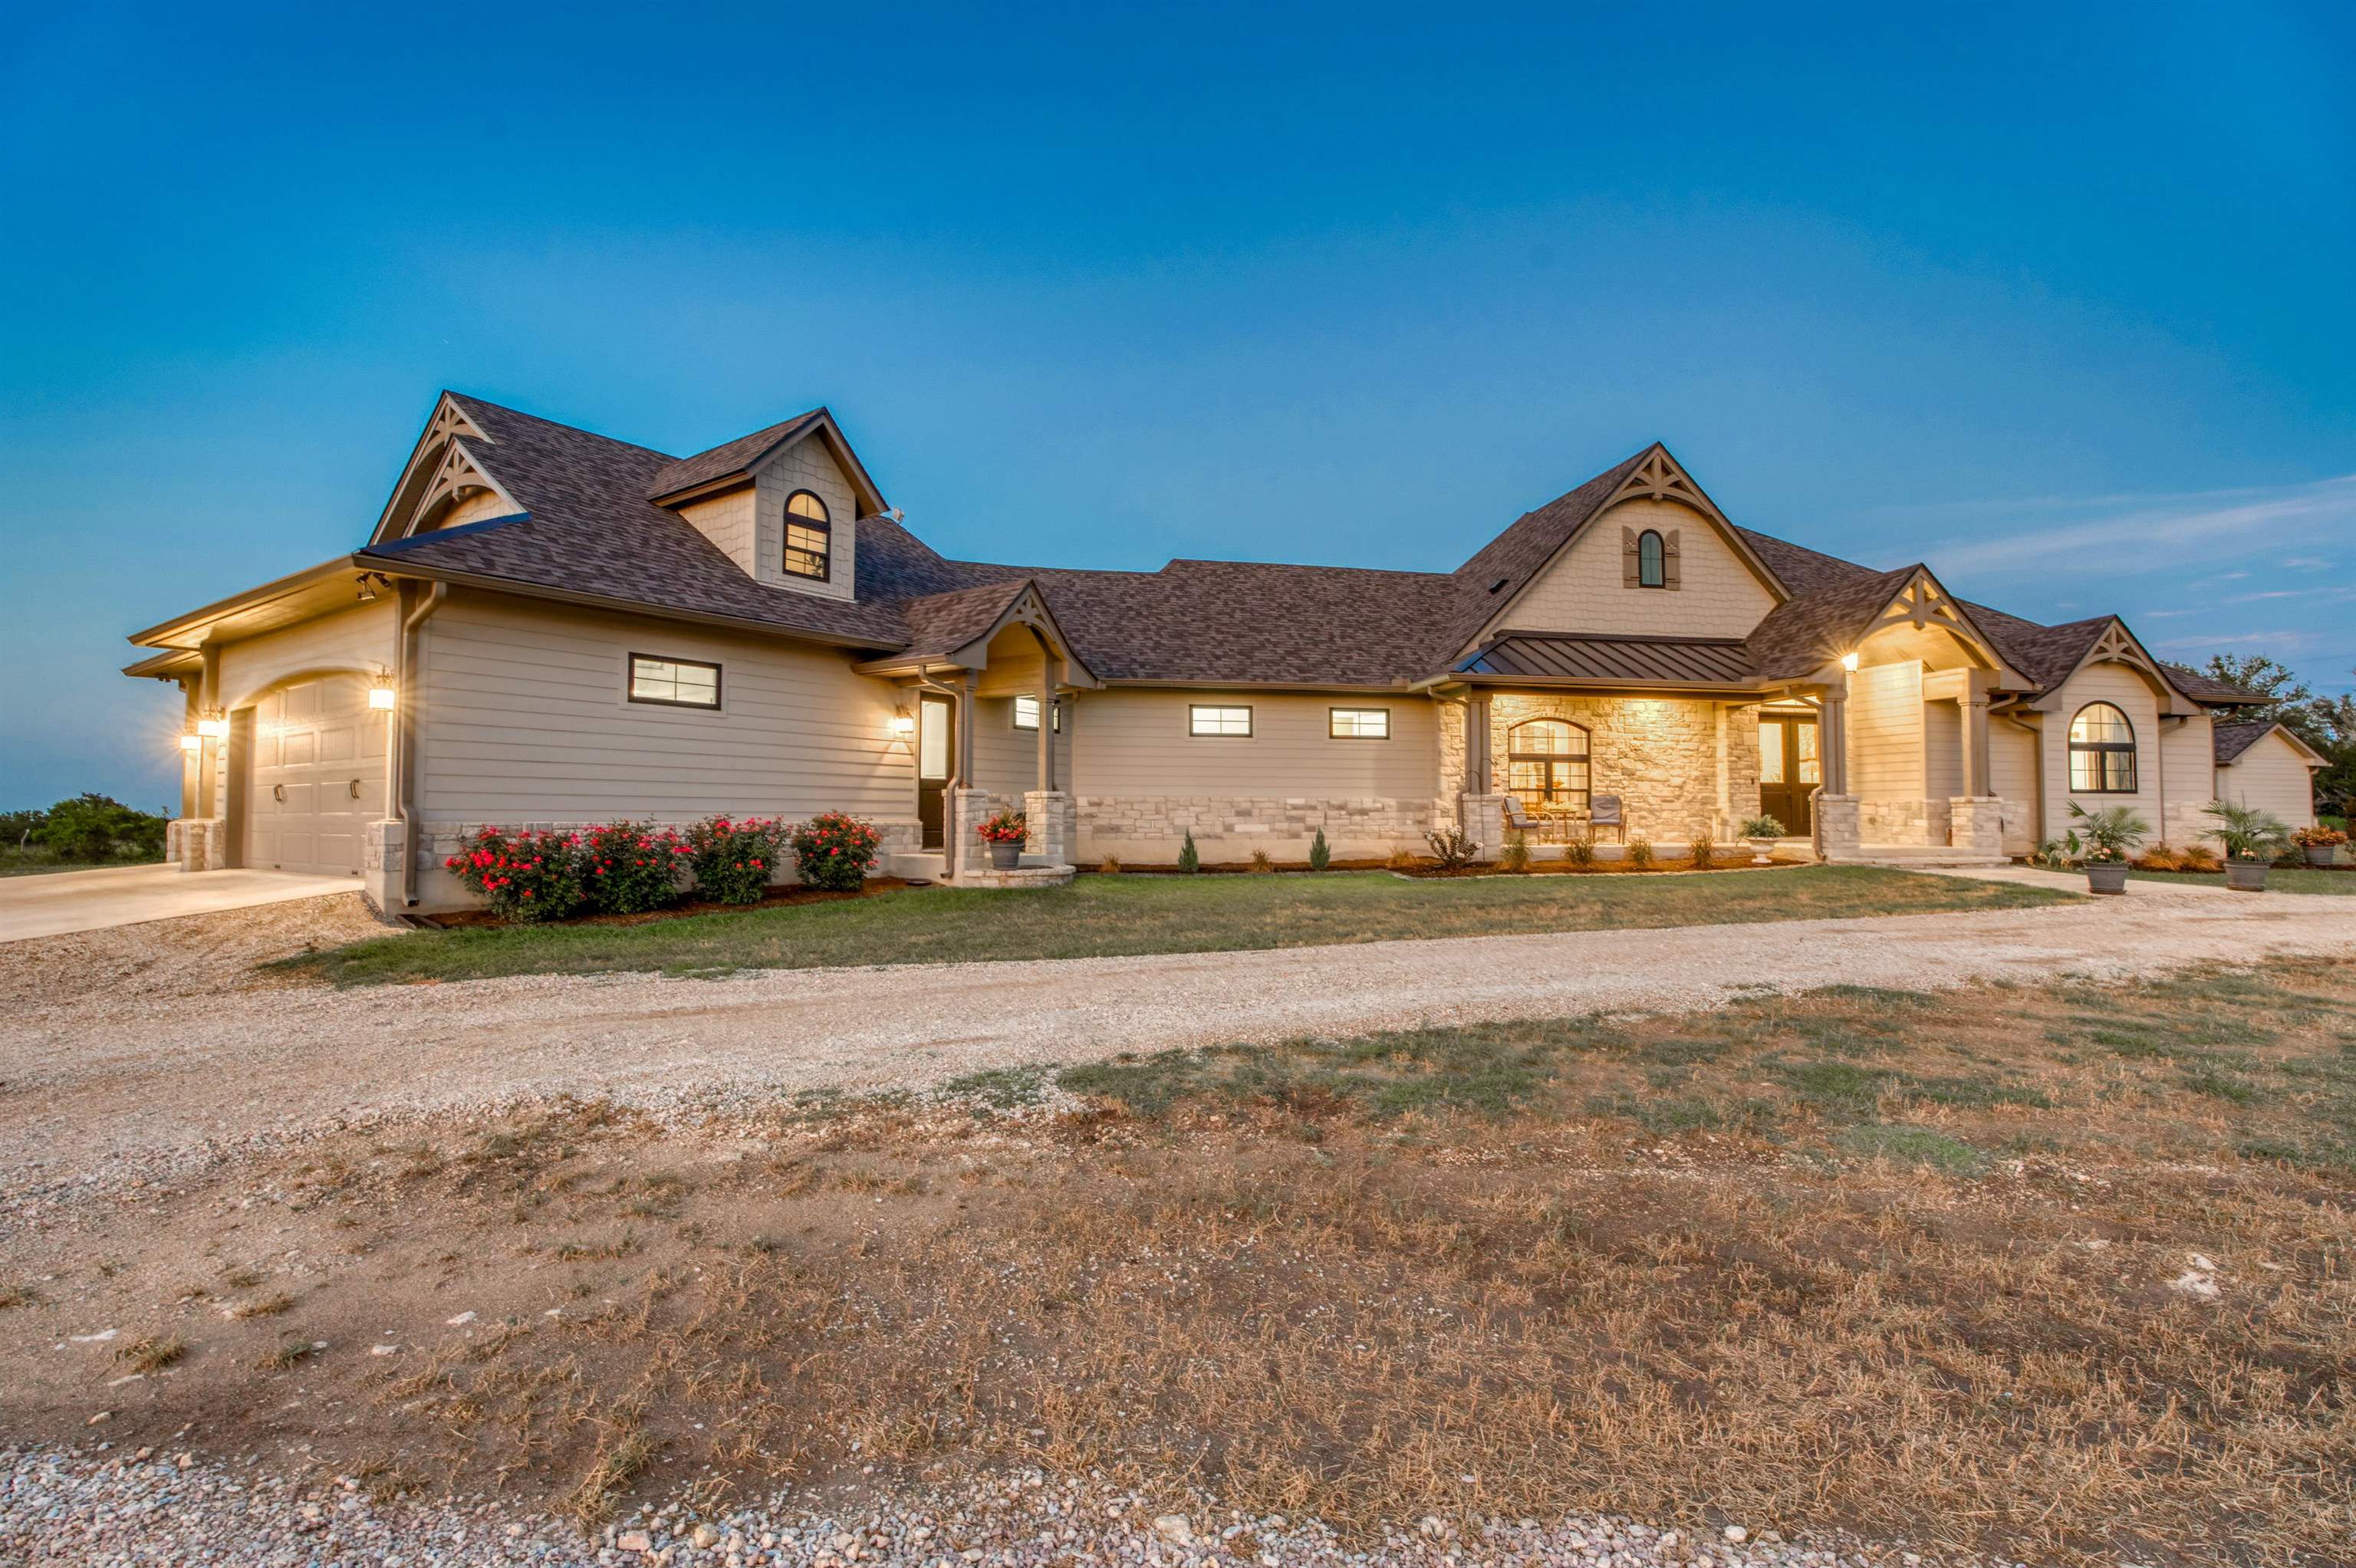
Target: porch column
[[1050, 669], [1976, 739], [1832, 744], [1839, 835], [1482, 815]]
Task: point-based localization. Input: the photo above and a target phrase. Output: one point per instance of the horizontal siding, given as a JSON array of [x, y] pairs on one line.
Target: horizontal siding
[[2012, 773], [2125, 690], [2271, 776], [1127, 742], [1885, 733], [526, 716]]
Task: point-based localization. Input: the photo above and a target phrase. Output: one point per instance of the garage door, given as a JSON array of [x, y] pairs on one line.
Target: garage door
[[318, 776]]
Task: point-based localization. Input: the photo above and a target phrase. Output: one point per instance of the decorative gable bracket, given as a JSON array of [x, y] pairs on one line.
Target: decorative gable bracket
[[2118, 646]]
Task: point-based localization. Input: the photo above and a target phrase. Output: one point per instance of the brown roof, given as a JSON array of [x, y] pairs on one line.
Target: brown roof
[[1696, 661], [2232, 740], [1809, 630], [2204, 688], [727, 459], [944, 622]]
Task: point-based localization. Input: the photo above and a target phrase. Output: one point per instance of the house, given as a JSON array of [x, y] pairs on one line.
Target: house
[[551, 626]]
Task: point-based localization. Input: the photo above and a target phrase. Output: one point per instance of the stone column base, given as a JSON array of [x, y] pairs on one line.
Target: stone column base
[[1482, 817], [969, 851], [197, 843], [1976, 824], [381, 845], [1053, 819], [1839, 835]]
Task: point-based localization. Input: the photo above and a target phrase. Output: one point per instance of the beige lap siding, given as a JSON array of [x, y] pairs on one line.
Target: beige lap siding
[[1887, 768], [2128, 692], [1143, 780], [2012, 776], [527, 720], [2188, 758], [2272, 777]]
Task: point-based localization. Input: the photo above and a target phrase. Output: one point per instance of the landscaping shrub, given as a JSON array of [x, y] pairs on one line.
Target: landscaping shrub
[[97, 827], [1402, 861], [733, 858], [2160, 858], [523, 875], [1320, 854], [833, 851], [1189, 857], [2200, 857], [1260, 862], [1640, 851], [1452, 847], [1701, 851], [1110, 865], [632, 867], [1580, 853], [1517, 855]]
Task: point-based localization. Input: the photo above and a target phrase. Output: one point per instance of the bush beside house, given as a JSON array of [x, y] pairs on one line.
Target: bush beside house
[[633, 868]]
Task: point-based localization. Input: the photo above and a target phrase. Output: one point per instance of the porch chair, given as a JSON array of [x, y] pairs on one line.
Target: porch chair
[[1604, 812], [1534, 829]]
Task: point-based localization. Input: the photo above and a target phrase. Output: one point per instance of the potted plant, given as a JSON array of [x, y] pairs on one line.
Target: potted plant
[[1005, 834], [2104, 840], [2321, 844], [2251, 839], [1760, 833]]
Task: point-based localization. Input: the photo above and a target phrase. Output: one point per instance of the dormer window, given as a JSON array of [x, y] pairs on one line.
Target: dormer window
[[809, 534], [1650, 573]]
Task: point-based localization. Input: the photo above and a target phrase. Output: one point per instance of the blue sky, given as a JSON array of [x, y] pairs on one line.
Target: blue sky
[[2058, 300]]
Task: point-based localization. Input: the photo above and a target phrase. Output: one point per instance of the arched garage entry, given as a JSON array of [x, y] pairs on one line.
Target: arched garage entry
[[313, 774]]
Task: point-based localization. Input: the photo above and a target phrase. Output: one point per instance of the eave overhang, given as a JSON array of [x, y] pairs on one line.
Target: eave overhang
[[315, 590]]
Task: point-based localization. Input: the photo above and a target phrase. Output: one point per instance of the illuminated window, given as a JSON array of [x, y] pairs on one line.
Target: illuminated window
[[676, 683], [1648, 560], [808, 536], [2102, 751], [1546, 765], [1026, 714], [1358, 723], [1214, 721]]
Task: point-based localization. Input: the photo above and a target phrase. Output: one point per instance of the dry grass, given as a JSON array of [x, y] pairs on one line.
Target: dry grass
[[152, 1353], [1905, 1263]]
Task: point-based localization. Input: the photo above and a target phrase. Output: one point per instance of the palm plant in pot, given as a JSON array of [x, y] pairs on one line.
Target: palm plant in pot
[[1760, 833], [2251, 838], [2104, 840], [1005, 834]]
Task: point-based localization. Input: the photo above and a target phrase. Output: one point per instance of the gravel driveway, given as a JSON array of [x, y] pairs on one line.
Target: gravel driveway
[[164, 1063]]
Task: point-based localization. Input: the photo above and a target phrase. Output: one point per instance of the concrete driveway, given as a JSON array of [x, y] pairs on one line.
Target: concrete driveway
[[63, 901]]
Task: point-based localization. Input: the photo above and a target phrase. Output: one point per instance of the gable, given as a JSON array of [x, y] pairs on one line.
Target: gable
[[1710, 589]]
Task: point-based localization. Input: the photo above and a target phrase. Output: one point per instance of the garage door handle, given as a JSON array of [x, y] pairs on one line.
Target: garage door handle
[[278, 792], [356, 789]]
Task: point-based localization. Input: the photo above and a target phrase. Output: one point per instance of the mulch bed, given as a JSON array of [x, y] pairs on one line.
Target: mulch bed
[[776, 898]]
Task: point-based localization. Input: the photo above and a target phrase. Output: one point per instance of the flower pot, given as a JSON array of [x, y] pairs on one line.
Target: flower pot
[[2320, 854], [1762, 851], [2246, 876], [2108, 877], [1005, 857]]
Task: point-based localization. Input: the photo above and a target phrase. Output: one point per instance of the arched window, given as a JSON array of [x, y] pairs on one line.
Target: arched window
[[1546, 765], [1648, 560], [809, 536], [2102, 751]]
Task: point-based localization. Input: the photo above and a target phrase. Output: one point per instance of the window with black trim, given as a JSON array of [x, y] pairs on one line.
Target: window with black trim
[[1547, 765], [2102, 751], [809, 536], [1650, 573], [1027, 713], [674, 683], [1212, 722], [1358, 723]]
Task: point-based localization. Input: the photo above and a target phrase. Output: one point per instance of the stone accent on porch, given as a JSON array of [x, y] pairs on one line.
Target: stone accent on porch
[[1838, 840], [380, 848], [197, 843], [1020, 877], [1482, 817], [1976, 824], [1053, 819]]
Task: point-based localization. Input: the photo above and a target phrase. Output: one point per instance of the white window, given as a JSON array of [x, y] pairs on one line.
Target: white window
[[1213, 721], [1026, 714], [1358, 723], [676, 683]]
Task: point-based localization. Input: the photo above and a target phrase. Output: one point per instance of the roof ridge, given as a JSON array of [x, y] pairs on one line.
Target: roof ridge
[[470, 400]]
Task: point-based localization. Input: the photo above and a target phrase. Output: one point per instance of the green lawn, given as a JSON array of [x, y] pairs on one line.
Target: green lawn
[[1099, 916], [2281, 880], [39, 860]]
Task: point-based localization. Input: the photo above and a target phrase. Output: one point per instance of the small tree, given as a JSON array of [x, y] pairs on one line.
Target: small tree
[[2106, 836], [1189, 858], [1320, 854], [2246, 833], [93, 826]]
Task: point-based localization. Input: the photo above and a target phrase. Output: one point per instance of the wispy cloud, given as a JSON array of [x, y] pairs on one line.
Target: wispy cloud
[[2132, 534]]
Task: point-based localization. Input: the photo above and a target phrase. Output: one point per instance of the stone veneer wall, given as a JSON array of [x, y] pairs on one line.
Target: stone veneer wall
[[1150, 828], [1658, 754]]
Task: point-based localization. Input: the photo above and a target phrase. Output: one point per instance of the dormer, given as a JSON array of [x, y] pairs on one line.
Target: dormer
[[783, 503]]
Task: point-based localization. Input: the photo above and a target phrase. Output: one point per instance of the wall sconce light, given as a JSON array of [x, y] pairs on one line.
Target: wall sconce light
[[190, 741], [1849, 661], [212, 724], [382, 696], [904, 724]]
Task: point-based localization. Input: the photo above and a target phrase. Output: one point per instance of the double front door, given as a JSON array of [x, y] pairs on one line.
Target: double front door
[[1789, 770]]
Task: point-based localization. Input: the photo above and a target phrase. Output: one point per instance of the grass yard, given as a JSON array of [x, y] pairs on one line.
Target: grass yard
[[1101, 916], [2281, 880], [2061, 1272], [38, 859]]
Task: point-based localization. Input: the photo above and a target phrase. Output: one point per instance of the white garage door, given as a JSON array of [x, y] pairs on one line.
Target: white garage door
[[318, 776]]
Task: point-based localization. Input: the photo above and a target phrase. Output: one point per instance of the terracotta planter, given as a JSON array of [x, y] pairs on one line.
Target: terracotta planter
[[1005, 857], [2110, 878], [2320, 854], [2246, 876], [1762, 851]]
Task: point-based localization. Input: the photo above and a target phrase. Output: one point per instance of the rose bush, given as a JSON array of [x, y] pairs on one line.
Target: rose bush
[[733, 857], [523, 875], [833, 851], [632, 867]]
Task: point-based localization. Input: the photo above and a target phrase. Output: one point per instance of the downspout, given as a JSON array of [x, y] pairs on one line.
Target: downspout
[[2036, 772], [404, 726], [2178, 721]]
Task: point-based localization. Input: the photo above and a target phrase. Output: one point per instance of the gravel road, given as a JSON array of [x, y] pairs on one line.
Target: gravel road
[[168, 1063]]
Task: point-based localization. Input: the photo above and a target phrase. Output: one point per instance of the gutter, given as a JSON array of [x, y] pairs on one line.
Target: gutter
[[404, 764]]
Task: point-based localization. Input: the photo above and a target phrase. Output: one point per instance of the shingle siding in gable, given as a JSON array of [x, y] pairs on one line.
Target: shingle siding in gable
[[806, 465], [1584, 590]]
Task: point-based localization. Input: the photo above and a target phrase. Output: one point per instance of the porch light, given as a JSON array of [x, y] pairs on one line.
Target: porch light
[[1849, 661], [213, 725], [190, 741], [904, 723], [381, 694]]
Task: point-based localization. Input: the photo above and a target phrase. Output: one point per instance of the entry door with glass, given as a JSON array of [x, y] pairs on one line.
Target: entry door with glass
[[935, 745], [1789, 770]]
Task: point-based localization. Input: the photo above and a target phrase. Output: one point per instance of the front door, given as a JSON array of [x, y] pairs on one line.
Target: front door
[[935, 745], [1789, 770]]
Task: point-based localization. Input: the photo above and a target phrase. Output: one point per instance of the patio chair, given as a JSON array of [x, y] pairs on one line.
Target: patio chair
[[1604, 812], [1536, 829]]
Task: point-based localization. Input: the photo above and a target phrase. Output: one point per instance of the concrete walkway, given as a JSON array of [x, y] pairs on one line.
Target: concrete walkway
[[57, 902]]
